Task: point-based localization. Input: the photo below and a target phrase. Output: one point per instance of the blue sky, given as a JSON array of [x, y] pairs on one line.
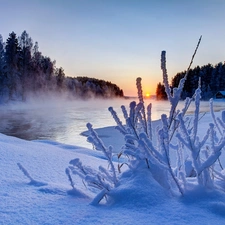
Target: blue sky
[[119, 40]]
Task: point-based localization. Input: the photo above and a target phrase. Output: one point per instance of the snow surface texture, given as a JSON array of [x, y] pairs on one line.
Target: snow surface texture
[[48, 198]]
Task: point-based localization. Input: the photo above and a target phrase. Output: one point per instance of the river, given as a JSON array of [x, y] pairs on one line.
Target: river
[[63, 121]]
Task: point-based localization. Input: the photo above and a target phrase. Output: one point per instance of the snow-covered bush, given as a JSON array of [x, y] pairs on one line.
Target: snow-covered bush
[[197, 158]]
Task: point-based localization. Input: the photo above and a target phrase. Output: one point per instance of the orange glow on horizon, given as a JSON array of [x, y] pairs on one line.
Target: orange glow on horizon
[[130, 89]]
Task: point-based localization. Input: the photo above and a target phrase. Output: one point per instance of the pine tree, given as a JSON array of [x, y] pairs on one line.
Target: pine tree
[[60, 76], [12, 61], [36, 76], [160, 92], [26, 44], [1, 57], [2, 65]]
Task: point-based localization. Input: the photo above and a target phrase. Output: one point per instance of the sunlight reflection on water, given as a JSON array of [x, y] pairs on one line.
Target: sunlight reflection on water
[[64, 121]]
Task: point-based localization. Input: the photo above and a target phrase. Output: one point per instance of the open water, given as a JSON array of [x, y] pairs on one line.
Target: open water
[[64, 121]]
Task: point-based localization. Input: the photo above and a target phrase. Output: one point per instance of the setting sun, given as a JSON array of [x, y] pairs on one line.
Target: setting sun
[[147, 95]]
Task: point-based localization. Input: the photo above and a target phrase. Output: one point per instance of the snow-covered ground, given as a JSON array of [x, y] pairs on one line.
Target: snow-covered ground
[[48, 198]]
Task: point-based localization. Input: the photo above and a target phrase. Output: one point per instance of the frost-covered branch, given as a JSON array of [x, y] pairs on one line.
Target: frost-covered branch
[[25, 172], [94, 139], [120, 126], [141, 100], [213, 116], [67, 171], [193, 56], [149, 121], [176, 91], [196, 113]]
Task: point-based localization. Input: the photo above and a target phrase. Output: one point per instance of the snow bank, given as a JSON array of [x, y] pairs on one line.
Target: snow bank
[[137, 201]]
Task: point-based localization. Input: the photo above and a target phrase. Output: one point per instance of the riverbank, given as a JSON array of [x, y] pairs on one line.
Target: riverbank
[[47, 198]]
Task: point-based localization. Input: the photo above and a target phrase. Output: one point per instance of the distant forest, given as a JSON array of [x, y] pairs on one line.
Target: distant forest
[[25, 72], [212, 81]]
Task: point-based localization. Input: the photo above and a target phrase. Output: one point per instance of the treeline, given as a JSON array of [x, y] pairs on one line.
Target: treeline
[[24, 71], [212, 81]]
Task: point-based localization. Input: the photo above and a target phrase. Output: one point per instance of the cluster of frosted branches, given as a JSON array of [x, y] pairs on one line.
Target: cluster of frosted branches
[[196, 156], [177, 137]]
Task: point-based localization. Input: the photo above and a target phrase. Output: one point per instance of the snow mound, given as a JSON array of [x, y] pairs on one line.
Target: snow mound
[[139, 189], [77, 193]]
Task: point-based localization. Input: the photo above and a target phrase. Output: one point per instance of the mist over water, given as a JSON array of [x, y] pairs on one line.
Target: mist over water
[[63, 121]]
